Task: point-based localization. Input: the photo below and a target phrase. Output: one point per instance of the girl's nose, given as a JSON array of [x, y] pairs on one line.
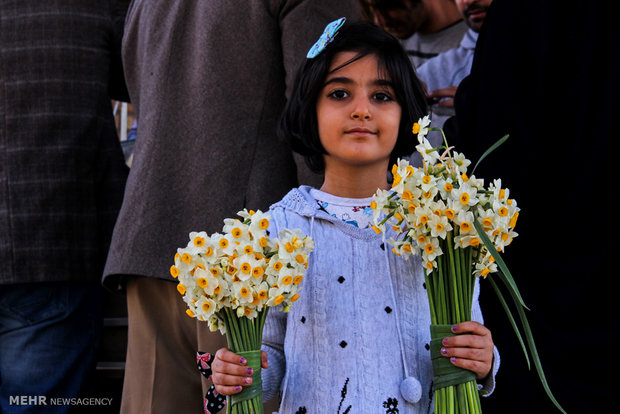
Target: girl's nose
[[361, 110]]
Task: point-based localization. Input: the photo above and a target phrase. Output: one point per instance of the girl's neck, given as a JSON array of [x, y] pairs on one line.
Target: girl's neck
[[359, 182]]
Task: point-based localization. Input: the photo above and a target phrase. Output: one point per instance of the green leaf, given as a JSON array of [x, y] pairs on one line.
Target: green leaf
[[490, 150], [500, 262], [511, 318]]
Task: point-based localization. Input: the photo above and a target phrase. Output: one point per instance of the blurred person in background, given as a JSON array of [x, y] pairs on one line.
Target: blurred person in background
[[62, 176]]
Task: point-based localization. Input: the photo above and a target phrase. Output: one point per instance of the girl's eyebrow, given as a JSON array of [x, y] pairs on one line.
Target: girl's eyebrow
[[348, 81]]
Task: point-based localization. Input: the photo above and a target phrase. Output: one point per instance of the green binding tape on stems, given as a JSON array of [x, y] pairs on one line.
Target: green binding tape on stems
[[445, 374], [254, 389]]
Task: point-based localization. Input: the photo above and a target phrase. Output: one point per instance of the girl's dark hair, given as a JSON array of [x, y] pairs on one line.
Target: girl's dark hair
[[299, 124]]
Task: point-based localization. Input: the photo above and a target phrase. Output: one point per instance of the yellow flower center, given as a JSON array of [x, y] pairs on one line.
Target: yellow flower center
[[474, 242], [427, 194], [288, 247], [502, 194], [263, 224], [437, 212], [487, 222], [503, 211], [429, 265], [465, 227], [186, 258], [206, 307], [236, 232], [202, 282], [174, 271], [464, 198], [422, 239], [287, 280], [215, 271], [248, 249], [247, 311], [294, 297], [277, 266], [244, 292], [300, 259], [505, 236], [373, 204], [263, 242], [429, 248], [407, 195], [217, 290], [485, 272], [449, 213], [464, 177], [426, 179], [209, 251], [257, 272], [513, 220], [407, 248], [190, 313], [262, 294], [410, 170], [223, 243], [199, 241], [423, 218], [181, 289], [411, 208], [297, 280], [439, 227], [397, 180], [376, 229], [416, 128], [448, 187], [278, 299], [398, 217], [246, 268]]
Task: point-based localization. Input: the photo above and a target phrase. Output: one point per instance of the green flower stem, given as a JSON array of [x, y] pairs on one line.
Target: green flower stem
[[454, 273], [431, 300]]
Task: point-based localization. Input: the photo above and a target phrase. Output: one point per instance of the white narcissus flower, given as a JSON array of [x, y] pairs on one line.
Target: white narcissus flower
[[439, 226], [466, 194], [465, 222], [461, 162], [259, 223], [429, 154], [421, 127]]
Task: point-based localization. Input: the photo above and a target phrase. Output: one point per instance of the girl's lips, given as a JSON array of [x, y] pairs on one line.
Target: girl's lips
[[360, 131]]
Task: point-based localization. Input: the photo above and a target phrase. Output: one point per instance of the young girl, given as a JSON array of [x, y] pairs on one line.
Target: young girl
[[358, 338]]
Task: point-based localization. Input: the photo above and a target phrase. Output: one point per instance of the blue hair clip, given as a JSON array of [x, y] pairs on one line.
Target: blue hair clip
[[328, 35]]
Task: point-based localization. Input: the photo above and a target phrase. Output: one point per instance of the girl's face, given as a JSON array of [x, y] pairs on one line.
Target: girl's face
[[358, 115]]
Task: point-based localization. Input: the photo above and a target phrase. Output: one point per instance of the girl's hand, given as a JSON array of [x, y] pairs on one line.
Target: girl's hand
[[474, 351], [230, 372]]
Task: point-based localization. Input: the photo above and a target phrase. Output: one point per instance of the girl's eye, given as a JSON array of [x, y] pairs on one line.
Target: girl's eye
[[383, 97], [338, 94]]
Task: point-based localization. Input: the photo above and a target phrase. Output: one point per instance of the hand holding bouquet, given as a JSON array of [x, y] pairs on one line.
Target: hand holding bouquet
[[230, 280]]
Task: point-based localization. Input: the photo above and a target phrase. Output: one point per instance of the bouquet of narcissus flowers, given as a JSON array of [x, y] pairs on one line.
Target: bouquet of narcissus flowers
[[457, 226], [230, 280]]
